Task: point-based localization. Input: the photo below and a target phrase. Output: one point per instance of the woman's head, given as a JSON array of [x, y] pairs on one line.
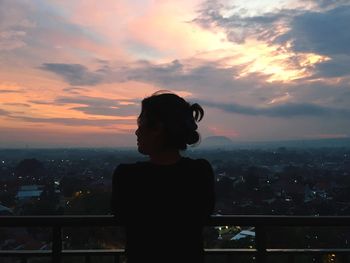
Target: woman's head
[[167, 122]]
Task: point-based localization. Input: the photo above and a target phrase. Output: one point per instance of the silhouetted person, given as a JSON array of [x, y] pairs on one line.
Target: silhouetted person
[[165, 202]]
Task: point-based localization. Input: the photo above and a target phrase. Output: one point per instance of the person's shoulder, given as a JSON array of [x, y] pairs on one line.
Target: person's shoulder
[[201, 162], [129, 167], [200, 169]]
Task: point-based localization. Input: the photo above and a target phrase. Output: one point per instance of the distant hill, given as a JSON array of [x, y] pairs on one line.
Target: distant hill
[[216, 141]]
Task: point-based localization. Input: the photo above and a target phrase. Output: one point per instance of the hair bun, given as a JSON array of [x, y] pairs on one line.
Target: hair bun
[[198, 111], [193, 138]]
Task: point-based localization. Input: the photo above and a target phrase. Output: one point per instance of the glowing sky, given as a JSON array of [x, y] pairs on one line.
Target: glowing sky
[[73, 73]]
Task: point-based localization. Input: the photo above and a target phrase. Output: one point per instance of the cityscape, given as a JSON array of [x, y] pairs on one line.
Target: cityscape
[[248, 181]]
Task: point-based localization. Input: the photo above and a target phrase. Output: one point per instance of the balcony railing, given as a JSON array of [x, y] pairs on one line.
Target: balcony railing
[[260, 252]]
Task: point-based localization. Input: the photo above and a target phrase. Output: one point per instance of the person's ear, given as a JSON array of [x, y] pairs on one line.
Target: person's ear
[[158, 129]]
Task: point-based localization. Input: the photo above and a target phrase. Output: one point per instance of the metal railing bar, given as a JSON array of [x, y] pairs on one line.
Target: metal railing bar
[[307, 250], [215, 220], [4, 253], [92, 251], [229, 250], [112, 251], [207, 251], [279, 221]]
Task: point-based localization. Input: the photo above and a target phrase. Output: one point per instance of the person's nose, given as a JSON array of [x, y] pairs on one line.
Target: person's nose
[[137, 132]]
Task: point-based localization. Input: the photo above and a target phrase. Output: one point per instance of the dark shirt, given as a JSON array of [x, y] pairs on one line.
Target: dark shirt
[[164, 208]]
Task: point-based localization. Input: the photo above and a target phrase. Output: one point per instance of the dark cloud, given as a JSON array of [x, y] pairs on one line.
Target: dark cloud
[[97, 105], [338, 66], [17, 104], [80, 75], [329, 3], [10, 91], [4, 112], [74, 90], [284, 111], [321, 32], [177, 76], [101, 106], [42, 102], [74, 74]]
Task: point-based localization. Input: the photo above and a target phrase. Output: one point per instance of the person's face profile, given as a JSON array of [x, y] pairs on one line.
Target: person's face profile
[[148, 137]]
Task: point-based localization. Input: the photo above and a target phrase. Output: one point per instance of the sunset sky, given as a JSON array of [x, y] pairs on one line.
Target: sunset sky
[[73, 72]]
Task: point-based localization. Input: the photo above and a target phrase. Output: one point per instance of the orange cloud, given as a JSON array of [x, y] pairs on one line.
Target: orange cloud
[[166, 27]]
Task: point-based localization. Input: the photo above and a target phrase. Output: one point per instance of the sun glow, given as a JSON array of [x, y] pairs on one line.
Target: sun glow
[[280, 64]]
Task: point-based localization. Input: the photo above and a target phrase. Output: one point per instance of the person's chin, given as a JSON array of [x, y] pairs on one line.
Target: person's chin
[[141, 150]]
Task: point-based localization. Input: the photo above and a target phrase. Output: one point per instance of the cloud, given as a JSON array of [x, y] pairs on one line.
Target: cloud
[[174, 75], [14, 25], [74, 74], [33, 32], [321, 32], [4, 112], [108, 111], [96, 105], [17, 104], [205, 79], [41, 102], [101, 106], [75, 121], [239, 25], [11, 39], [74, 90], [329, 3], [10, 91], [338, 66], [92, 106], [91, 101], [283, 111]]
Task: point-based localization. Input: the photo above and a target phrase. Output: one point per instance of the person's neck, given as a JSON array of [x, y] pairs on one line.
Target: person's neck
[[165, 157]]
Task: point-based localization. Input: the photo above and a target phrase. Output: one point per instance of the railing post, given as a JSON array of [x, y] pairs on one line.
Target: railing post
[[116, 258], [57, 244], [260, 243]]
